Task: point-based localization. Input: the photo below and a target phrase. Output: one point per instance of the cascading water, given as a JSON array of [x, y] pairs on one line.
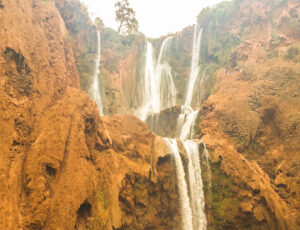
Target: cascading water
[[205, 151], [185, 127], [194, 66], [186, 211], [185, 110], [159, 89], [151, 98], [192, 207], [165, 78], [167, 87], [159, 92], [95, 91], [202, 90], [196, 185]]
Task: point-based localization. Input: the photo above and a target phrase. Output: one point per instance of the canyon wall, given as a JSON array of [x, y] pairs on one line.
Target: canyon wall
[[250, 122], [62, 166], [248, 86], [121, 67]]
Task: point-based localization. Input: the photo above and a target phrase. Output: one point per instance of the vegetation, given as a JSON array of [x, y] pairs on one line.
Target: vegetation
[[293, 54], [116, 47], [218, 45], [275, 37], [102, 207], [222, 202], [83, 38], [180, 61], [99, 23], [85, 66], [20, 77], [126, 17]]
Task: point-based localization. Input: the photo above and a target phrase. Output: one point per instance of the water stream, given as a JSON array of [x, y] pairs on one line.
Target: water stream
[[94, 90], [159, 92], [185, 130], [196, 184], [164, 76], [194, 66], [186, 211], [151, 98]]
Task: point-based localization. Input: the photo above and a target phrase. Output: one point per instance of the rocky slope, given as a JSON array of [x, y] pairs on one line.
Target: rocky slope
[[251, 121], [250, 113], [62, 166]]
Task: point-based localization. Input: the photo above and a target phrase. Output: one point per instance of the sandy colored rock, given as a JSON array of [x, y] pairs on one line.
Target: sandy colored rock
[[62, 166]]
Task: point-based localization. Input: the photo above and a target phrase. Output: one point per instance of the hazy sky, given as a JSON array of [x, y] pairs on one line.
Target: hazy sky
[[155, 17]]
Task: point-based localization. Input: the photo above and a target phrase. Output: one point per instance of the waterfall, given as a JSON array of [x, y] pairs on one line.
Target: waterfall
[[159, 90], [165, 78], [185, 110], [187, 130], [95, 91], [151, 98], [194, 66], [205, 151], [167, 87], [202, 90], [196, 185], [186, 211], [163, 49], [192, 207]]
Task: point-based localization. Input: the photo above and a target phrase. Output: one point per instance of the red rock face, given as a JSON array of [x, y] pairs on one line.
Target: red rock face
[[62, 166], [247, 123]]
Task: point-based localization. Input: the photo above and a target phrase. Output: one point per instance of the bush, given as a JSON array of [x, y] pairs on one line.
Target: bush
[[269, 110], [293, 53], [217, 45]]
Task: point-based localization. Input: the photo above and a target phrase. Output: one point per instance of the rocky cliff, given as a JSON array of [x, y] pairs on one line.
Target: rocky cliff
[[62, 166], [121, 67], [249, 115], [251, 119]]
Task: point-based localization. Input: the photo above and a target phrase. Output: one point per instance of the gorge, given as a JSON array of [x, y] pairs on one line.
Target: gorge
[[194, 130]]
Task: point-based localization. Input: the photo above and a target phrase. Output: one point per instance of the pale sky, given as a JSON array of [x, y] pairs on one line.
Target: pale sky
[[155, 17]]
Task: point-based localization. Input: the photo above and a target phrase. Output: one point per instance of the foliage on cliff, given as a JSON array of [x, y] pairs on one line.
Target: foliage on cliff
[[252, 115], [120, 66], [116, 47], [82, 35], [62, 166]]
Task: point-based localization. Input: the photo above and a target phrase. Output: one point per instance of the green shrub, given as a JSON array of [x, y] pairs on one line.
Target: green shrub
[[218, 45], [275, 37], [293, 53]]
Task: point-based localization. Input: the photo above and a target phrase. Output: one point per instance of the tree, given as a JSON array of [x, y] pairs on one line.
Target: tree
[[99, 23], [84, 9], [126, 17]]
